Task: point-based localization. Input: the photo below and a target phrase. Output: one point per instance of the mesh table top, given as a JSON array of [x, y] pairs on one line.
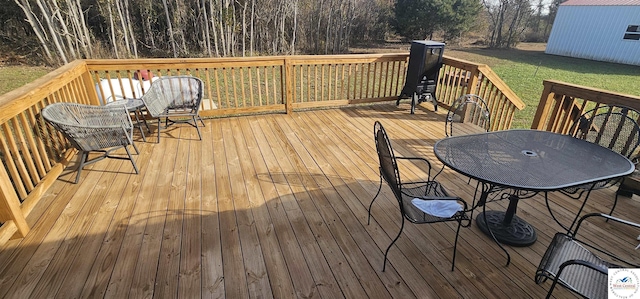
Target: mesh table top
[[530, 159]]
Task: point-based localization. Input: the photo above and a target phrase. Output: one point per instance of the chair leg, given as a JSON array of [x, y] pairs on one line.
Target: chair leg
[[455, 246], [486, 223], [553, 286], [83, 158], [584, 203], [159, 124], [374, 199], [615, 202], [135, 167], [195, 124], [438, 173], [134, 147], [546, 200], [384, 264]]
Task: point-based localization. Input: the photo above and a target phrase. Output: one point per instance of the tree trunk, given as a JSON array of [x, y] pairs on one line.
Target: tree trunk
[[123, 27], [52, 31], [205, 30], [170, 29], [132, 34], [36, 26], [68, 36], [213, 28], [88, 43], [244, 28], [295, 28], [252, 32], [113, 31]]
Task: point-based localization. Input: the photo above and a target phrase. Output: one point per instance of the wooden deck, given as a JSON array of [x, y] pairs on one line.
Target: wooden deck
[[271, 206]]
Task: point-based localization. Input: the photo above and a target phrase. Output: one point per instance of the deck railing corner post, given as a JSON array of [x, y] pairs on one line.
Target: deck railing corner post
[[544, 106], [287, 85]]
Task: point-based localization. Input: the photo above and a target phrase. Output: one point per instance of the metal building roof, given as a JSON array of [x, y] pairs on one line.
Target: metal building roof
[[601, 2]]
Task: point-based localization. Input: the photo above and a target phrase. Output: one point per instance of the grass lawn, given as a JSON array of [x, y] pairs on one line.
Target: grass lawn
[[12, 77], [525, 68]]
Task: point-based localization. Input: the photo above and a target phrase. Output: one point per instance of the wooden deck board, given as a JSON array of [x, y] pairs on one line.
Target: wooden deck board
[[274, 206]]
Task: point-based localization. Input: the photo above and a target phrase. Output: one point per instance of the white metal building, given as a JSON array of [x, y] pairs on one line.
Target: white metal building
[[605, 30]]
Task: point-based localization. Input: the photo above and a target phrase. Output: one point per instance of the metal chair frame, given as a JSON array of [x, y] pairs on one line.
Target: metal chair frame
[[404, 192], [468, 108], [613, 126], [580, 265]]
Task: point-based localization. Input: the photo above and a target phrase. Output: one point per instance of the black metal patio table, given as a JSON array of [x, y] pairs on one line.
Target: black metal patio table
[[525, 162]]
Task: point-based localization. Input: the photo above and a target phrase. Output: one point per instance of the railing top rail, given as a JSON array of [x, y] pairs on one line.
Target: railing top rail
[[592, 93], [559, 86], [15, 101], [504, 88], [115, 64], [461, 63]]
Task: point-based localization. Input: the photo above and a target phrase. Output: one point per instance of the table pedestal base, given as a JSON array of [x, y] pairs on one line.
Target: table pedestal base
[[517, 233]]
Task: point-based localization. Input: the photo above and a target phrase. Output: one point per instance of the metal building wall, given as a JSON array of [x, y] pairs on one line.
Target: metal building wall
[[595, 32]]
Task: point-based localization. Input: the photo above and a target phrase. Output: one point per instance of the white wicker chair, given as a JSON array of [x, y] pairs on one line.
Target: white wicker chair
[[93, 129], [176, 99]]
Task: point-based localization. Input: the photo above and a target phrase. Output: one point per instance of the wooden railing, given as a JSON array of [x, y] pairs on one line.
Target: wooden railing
[[459, 77], [34, 155], [562, 103]]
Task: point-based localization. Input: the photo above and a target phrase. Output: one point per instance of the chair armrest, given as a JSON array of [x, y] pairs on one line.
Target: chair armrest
[[582, 263], [581, 285], [609, 217], [418, 159], [415, 158]]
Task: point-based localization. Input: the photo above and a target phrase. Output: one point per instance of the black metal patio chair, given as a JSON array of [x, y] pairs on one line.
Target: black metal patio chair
[[427, 192], [176, 99], [581, 265], [93, 129], [611, 126], [468, 114]]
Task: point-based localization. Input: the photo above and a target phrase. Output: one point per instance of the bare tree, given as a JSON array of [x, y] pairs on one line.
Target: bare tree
[[172, 41], [221, 27], [508, 19], [37, 27]]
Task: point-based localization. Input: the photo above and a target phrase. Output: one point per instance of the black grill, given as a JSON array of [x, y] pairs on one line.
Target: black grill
[[425, 60]]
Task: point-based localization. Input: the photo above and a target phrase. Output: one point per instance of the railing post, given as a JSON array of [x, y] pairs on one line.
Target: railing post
[[89, 86], [472, 85], [288, 85], [10, 204], [544, 106]]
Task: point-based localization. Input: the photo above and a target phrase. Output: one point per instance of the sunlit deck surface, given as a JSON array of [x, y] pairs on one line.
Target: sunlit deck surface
[[273, 206]]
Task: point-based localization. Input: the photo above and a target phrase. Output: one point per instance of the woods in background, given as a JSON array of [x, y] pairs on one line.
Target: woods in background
[[60, 31]]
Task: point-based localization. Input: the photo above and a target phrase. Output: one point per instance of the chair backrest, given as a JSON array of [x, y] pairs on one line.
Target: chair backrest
[[90, 127], [468, 114], [581, 264], [612, 126], [388, 163], [182, 93]]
